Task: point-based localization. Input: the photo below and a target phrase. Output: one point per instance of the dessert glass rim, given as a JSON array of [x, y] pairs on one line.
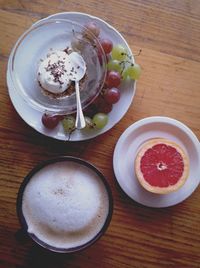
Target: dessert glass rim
[[40, 166], [55, 108]]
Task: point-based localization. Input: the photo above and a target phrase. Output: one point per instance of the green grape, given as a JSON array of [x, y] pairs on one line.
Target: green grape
[[114, 65], [89, 123], [134, 71], [100, 120], [119, 53], [68, 123]]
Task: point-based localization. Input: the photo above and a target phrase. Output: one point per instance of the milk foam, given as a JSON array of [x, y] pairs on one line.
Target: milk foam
[[65, 204]]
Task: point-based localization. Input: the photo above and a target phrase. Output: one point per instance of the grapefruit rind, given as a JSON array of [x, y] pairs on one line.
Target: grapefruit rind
[[155, 189]]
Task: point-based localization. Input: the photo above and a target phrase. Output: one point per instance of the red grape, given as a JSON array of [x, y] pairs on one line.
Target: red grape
[[107, 45], [93, 28], [50, 121], [99, 99], [100, 55], [102, 106], [112, 95], [99, 105], [91, 110], [107, 58], [113, 79], [105, 108]]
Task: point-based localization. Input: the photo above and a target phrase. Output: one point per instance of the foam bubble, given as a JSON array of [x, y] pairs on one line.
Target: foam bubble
[[65, 204]]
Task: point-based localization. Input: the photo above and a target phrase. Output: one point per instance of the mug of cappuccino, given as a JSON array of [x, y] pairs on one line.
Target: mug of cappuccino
[[65, 204]]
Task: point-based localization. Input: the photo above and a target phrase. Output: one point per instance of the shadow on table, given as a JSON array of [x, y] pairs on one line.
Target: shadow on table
[[144, 215], [38, 257]]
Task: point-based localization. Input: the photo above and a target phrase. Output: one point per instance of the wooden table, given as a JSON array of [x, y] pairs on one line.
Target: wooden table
[[169, 35]]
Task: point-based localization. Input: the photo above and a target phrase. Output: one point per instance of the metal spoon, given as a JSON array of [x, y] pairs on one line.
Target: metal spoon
[[79, 69]]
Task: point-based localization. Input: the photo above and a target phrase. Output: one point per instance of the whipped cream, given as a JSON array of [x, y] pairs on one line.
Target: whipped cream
[[56, 72]]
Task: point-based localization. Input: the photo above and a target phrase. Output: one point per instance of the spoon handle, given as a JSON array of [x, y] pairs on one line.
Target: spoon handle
[[80, 120]]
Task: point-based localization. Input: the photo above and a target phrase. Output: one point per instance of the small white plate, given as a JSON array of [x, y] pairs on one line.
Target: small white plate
[[125, 153], [33, 117]]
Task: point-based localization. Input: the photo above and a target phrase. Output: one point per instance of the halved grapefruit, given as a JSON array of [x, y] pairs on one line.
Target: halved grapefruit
[[161, 166]]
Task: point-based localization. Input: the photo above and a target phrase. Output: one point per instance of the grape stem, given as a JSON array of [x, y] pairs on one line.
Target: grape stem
[[130, 58], [138, 54], [70, 133], [123, 63], [126, 61]]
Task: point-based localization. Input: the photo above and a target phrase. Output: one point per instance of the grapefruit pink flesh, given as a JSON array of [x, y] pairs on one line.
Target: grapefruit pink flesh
[[162, 165]]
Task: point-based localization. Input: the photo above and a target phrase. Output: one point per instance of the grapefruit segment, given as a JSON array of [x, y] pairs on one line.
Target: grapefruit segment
[[161, 166]]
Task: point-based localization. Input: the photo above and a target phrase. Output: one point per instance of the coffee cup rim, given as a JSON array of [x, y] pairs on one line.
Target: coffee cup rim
[[40, 166]]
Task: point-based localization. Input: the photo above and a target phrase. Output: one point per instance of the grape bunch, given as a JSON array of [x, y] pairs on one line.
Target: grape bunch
[[119, 68]]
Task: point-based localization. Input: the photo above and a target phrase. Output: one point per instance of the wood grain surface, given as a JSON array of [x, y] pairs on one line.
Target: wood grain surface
[[168, 32]]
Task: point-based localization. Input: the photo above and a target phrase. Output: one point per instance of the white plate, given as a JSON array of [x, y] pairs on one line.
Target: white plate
[[125, 153], [33, 117]]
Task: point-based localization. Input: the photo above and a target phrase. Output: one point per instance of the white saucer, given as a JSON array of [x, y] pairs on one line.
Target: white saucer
[[33, 117], [125, 153]]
